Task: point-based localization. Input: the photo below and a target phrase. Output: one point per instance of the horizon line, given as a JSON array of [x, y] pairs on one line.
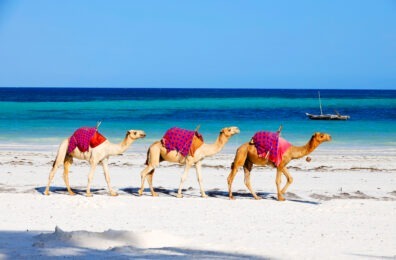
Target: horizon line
[[236, 88]]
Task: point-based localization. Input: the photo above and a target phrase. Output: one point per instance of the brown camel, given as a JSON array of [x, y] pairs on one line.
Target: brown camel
[[157, 153], [99, 154], [247, 156]]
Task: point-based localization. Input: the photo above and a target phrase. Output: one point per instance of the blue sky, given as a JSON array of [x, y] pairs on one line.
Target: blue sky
[[206, 43]]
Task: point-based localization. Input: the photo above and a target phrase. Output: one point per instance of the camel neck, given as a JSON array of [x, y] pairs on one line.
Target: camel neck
[[300, 151], [216, 147], [115, 149]]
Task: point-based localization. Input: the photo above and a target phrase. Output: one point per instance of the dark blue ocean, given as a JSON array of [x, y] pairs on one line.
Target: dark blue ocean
[[32, 116]]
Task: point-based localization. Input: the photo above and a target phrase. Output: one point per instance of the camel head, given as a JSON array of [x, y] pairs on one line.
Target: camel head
[[135, 134], [230, 131], [321, 137]]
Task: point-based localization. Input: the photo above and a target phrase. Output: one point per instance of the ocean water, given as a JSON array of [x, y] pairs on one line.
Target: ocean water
[[34, 116]]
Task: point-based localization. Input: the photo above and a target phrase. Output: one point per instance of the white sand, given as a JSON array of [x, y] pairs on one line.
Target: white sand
[[342, 205]]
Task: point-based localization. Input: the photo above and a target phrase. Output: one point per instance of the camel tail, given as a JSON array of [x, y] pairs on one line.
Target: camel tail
[[148, 157]]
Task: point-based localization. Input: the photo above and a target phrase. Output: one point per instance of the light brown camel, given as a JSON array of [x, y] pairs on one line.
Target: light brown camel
[[157, 153], [99, 154], [246, 156]]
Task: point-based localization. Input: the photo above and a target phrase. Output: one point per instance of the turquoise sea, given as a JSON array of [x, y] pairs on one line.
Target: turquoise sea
[[35, 116]]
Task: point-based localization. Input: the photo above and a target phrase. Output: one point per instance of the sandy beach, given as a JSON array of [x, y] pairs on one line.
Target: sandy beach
[[341, 205]]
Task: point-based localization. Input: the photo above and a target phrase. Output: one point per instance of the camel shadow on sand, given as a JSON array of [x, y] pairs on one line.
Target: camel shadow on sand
[[217, 193], [162, 192], [187, 193], [242, 194], [79, 190]]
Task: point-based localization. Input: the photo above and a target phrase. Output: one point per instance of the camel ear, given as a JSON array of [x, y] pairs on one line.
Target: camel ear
[[127, 134]]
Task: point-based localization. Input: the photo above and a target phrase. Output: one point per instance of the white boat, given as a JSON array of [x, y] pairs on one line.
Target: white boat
[[322, 116]]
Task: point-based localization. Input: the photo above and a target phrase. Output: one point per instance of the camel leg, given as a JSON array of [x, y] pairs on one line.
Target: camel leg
[[143, 176], [239, 160], [198, 167], [60, 157], [183, 178], [107, 176], [289, 180], [230, 179], [150, 182], [90, 177], [51, 177], [68, 162], [247, 169], [152, 161], [278, 181]]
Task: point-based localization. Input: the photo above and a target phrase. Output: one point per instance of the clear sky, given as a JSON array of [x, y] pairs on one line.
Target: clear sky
[[202, 43]]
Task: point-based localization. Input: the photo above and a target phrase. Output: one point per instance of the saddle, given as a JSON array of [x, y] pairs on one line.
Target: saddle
[[184, 141], [84, 138], [270, 146]]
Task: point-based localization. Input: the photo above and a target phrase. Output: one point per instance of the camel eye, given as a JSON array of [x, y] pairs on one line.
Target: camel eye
[[229, 130], [134, 133]]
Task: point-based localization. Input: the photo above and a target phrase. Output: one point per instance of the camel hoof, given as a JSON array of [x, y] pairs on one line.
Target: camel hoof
[[283, 192], [280, 198], [154, 194], [179, 196], [204, 196], [113, 194], [72, 193], [257, 198], [231, 197], [140, 192], [46, 193], [89, 194]]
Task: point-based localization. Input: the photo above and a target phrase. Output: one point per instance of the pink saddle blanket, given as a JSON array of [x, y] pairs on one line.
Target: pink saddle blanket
[[271, 143], [83, 138], [179, 139]]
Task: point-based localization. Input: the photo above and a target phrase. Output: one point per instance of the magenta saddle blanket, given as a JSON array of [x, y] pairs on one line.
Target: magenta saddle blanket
[[179, 139], [271, 143], [81, 138]]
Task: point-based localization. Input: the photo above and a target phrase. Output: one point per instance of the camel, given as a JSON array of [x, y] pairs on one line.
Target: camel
[[247, 156], [157, 153], [99, 154]]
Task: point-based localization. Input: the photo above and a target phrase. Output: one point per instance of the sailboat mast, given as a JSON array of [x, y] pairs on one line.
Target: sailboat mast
[[320, 104]]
